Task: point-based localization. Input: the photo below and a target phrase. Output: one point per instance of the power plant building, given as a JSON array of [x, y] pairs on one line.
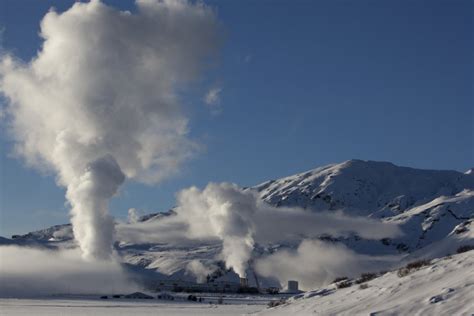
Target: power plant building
[[293, 287]]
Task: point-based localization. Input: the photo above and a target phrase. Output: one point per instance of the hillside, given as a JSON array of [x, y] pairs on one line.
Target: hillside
[[444, 287]]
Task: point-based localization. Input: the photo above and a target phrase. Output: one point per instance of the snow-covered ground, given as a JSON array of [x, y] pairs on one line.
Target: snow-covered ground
[[84, 306], [445, 287]]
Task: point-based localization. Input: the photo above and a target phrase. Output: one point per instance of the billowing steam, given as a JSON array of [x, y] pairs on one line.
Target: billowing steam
[[89, 196], [32, 272], [199, 270], [99, 103], [315, 263], [133, 216], [223, 211], [241, 219]]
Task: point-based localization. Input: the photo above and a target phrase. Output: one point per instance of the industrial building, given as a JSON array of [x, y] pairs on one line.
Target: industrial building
[[188, 286], [292, 287], [215, 286]]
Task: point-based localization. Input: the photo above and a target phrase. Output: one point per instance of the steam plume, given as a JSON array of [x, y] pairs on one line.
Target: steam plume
[[133, 216], [225, 212], [99, 102], [89, 196], [198, 269], [241, 219]]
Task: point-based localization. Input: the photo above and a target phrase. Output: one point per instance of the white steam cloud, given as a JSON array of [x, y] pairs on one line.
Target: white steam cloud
[[32, 272], [133, 216], [240, 219], [223, 211], [315, 263], [200, 270], [89, 195], [99, 103]]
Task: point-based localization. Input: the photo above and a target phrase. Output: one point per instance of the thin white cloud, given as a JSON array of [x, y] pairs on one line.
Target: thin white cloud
[[213, 100]]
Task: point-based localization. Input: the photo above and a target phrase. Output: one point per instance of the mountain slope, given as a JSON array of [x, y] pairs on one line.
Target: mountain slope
[[444, 287]]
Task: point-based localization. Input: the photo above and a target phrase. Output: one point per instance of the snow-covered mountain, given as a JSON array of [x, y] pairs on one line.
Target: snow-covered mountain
[[370, 188], [434, 209], [427, 204]]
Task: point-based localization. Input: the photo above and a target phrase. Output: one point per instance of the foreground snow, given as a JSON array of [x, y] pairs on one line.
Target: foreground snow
[[446, 287], [51, 307]]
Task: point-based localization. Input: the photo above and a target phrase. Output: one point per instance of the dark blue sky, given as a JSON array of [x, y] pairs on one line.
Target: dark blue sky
[[305, 83]]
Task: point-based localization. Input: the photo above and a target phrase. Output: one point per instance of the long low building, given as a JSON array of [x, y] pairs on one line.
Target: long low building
[[187, 286]]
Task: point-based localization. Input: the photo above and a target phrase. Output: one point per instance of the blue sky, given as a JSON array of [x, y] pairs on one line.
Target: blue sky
[[304, 83]]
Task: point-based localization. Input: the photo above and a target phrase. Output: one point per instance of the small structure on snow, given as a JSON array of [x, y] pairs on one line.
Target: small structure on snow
[[292, 287], [138, 295]]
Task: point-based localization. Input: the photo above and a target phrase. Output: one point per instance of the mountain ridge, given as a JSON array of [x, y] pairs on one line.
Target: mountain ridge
[[363, 186]]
